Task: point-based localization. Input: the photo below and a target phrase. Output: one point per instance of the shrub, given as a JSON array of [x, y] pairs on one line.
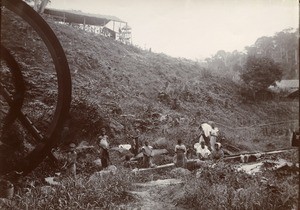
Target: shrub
[[106, 193], [259, 73], [222, 187]]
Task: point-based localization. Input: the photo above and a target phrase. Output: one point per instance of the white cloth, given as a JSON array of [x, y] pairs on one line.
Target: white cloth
[[196, 146], [180, 147], [214, 131], [125, 146], [206, 129], [204, 152], [147, 150], [201, 139], [104, 142]]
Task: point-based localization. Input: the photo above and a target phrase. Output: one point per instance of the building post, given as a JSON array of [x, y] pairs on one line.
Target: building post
[[84, 23]]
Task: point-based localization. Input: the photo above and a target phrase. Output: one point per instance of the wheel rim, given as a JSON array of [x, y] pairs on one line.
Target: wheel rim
[[51, 136]]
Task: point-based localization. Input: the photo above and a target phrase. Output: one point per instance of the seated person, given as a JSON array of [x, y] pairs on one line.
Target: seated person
[[202, 151], [218, 152], [128, 163], [189, 152]]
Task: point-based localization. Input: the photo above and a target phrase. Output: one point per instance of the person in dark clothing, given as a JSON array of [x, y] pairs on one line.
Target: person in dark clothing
[[72, 159], [104, 146], [147, 155], [104, 157], [203, 137], [180, 157], [218, 153], [135, 145]]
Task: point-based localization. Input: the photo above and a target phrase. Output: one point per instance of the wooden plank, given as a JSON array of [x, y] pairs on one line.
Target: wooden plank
[[230, 157], [157, 167], [238, 156], [159, 182], [262, 153]]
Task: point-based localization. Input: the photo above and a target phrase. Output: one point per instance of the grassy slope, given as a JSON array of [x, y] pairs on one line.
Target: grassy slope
[[107, 74]]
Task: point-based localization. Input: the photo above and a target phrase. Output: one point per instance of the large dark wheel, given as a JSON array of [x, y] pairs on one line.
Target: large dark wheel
[[35, 99]]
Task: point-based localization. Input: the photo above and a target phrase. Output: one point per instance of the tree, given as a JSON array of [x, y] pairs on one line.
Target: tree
[[259, 73], [39, 5], [282, 48]]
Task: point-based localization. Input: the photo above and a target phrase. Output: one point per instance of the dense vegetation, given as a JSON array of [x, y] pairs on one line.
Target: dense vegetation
[[260, 73], [222, 187], [282, 48]]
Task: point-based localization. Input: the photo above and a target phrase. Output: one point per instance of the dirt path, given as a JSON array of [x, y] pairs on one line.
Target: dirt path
[[147, 195]]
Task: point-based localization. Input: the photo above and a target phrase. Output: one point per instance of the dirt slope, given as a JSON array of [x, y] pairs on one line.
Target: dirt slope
[[123, 87]]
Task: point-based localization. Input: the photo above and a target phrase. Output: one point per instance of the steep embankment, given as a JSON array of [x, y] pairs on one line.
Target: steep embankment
[[123, 87]]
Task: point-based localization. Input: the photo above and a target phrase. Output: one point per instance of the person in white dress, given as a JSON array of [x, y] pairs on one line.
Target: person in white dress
[[202, 151]]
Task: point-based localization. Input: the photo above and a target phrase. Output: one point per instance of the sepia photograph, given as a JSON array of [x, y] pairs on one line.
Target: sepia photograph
[[149, 105]]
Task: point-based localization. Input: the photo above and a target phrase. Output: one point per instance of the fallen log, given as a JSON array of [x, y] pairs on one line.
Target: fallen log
[[236, 157], [159, 182], [256, 154], [153, 168], [169, 165]]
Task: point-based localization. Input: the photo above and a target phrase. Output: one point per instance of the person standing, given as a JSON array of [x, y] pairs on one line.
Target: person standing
[[218, 153], [180, 157], [205, 129], [72, 159], [135, 143], [104, 146], [147, 155], [213, 136]]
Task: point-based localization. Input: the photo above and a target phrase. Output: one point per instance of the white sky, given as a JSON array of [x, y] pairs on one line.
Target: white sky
[[194, 29]]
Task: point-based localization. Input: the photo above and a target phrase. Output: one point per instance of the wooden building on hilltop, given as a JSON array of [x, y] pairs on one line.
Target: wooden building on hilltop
[[106, 25]]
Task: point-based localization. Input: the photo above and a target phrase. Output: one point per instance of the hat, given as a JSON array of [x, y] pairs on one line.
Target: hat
[[72, 145], [211, 123], [219, 144]]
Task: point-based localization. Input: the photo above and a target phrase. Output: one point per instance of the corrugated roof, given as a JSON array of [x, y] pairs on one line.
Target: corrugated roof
[[288, 84], [75, 16]]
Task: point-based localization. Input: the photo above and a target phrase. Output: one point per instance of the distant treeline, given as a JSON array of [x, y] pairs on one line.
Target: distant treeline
[[282, 48]]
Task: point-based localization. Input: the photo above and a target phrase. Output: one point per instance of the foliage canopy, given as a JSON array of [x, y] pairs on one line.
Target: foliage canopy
[[259, 73]]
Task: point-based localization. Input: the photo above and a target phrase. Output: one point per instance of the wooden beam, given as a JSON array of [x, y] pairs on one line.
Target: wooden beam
[[84, 23], [229, 157], [157, 167]]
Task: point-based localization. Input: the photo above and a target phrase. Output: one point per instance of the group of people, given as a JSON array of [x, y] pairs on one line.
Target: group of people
[[206, 148], [146, 150], [104, 154]]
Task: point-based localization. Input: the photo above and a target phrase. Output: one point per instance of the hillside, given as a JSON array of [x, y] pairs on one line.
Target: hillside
[[123, 88]]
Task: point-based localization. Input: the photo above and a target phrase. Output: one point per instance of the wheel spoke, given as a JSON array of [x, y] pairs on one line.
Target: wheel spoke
[[26, 122], [14, 98]]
